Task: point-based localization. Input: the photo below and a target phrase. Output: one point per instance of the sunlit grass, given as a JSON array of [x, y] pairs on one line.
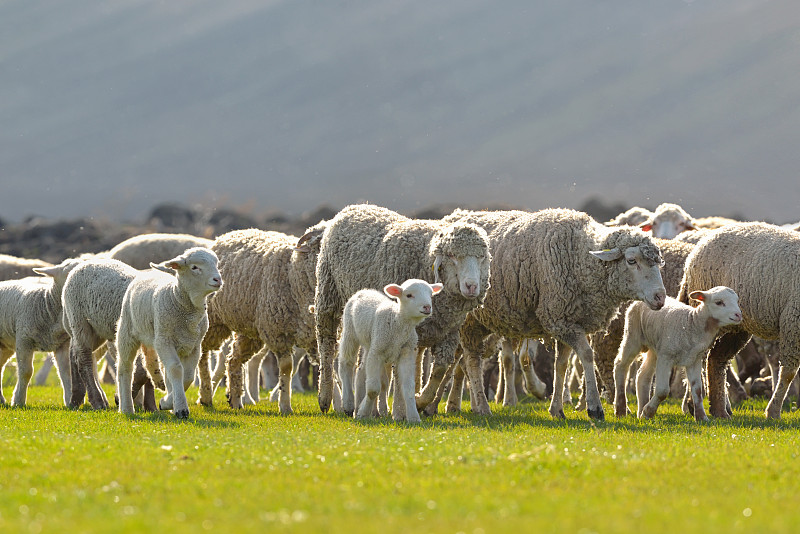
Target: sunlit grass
[[87, 471]]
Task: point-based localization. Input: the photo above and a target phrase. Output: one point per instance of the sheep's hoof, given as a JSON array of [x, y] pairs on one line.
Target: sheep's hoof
[[702, 419], [772, 413], [621, 411], [430, 410], [348, 413], [182, 414], [596, 414], [452, 408], [235, 403], [204, 402], [557, 415]]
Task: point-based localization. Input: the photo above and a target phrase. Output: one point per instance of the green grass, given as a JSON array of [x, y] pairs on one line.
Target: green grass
[[517, 471]]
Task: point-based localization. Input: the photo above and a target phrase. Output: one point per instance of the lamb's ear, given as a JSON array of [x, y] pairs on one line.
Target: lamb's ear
[[393, 290], [437, 262], [697, 295], [609, 254], [646, 227], [436, 288], [169, 267], [47, 271]]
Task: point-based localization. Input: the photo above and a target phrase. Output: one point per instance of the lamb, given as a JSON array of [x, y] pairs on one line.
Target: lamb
[[760, 262], [367, 246], [558, 273], [633, 217], [30, 320], [668, 221], [167, 312], [270, 281], [139, 251], [386, 329], [675, 335], [92, 302]]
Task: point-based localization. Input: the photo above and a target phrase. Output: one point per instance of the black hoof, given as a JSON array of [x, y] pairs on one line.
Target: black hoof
[[596, 414], [349, 413], [182, 414]]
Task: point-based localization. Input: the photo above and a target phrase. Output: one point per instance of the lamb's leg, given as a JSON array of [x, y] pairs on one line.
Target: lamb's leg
[[627, 353], [62, 362], [125, 358], [383, 397], [373, 368], [5, 355], [721, 353], [24, 372], [663, 368], [535, 385], [347, 370], [695, 378], [456, 394], [404, 389], [509, 372], [173, 374], [644, 380], [44, 371], [88, 371], [556, 408], [786, 375]]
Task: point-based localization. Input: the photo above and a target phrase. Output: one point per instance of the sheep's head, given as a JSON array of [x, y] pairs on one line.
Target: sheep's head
[[59, 272], [635, 267], [668, 221], [722, 303], [197, 269], [311, 240], [414, 296], [461, 259]]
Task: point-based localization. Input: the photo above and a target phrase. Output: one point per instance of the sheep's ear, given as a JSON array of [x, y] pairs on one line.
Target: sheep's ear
[[165, 267], [697, 295], [393, 290], [436, 288], [437, 263], [47, 271], [609, 254], [646, 227]]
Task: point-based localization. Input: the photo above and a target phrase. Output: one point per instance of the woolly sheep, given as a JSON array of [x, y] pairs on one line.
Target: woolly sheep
[[92, 302], [668, 221], [633, 217], [367, 246], [675, 335], [558, 273], [713, 222], [269, 285], [760, 262], [30, 320], [141, 250], [14, 268], [386, 330], [167, 312]]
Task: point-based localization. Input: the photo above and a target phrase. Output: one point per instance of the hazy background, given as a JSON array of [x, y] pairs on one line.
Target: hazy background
[[108, 108]]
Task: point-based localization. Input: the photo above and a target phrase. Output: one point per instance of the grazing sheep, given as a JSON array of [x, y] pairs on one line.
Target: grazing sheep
[[760, 262], [386, 330], [367, 246], [633, 217], [269, 285], [167, 312], [30, 320], [141, 250], [668, 221], [675, 335], [558, 273], [92, 302]]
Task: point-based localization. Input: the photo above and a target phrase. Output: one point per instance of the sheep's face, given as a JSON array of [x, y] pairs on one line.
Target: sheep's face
[[415, 297], [722, 303], [463, 274], [196, 269], [640, 273], [669, 221]]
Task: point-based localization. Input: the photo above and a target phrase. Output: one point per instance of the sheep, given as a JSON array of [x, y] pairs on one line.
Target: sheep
[[384, 324], [167, 312], [760, 262], [270, 280], [668, 221], [367, 247], [140, 250], [557, 273], [633, 217], [14, 268], [675, 335], [30, 320], [713, 222], [92, 302]]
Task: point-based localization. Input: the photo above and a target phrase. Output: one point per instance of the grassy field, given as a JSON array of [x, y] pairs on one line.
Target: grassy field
[[226, 471]]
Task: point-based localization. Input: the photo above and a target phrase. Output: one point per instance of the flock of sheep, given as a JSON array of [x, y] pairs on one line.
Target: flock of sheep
[[417, 307]]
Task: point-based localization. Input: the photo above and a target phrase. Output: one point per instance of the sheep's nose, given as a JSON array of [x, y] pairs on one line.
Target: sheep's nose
[[738, 317], [472, 288], [216, 281], [659, 298], [426, 309]]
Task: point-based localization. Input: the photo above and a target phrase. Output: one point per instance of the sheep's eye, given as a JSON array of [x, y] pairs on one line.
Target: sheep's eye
[[720, 303], [195, 268], [632, 261], [410, 296]]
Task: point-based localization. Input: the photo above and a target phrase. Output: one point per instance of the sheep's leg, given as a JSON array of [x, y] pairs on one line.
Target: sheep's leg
[[347, 370], [286, 367], [695, 378], [206, 394], [88, 373], [721, 353], [627, 353], [644, 379], [44, 371], [327, 349], [593, 407], [241, 351], [456, 394], [419, 370], [251, 394], [500, 390], [383, 396], [62, 362], [444, 356], [24, 372], [139, 386], [5, 355], [736, 392], [433, 408], [663, 369], [373, 369], [556, 408], [190, 368], [535, 385], [404, 389], [78, 389], [509, 372], [786, 375], [173, 373], [125, 358], [479, 404]]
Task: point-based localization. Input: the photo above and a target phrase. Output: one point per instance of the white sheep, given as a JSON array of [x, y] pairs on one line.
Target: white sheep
[[386, 329], [676, 335], [633, 217], [557, 273], [14, 268], [167, 312], [366, 246], [668, 221], [30, 320]]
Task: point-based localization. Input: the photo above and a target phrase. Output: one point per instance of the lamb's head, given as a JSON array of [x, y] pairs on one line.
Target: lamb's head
[[414, 297], [59, 272], [634, 263], [722, 303], [461, 259], [668, 221], [196, 269]]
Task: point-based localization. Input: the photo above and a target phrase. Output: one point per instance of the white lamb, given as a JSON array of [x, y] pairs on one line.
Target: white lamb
[[675, 335], [386, 329], [166, 311]]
